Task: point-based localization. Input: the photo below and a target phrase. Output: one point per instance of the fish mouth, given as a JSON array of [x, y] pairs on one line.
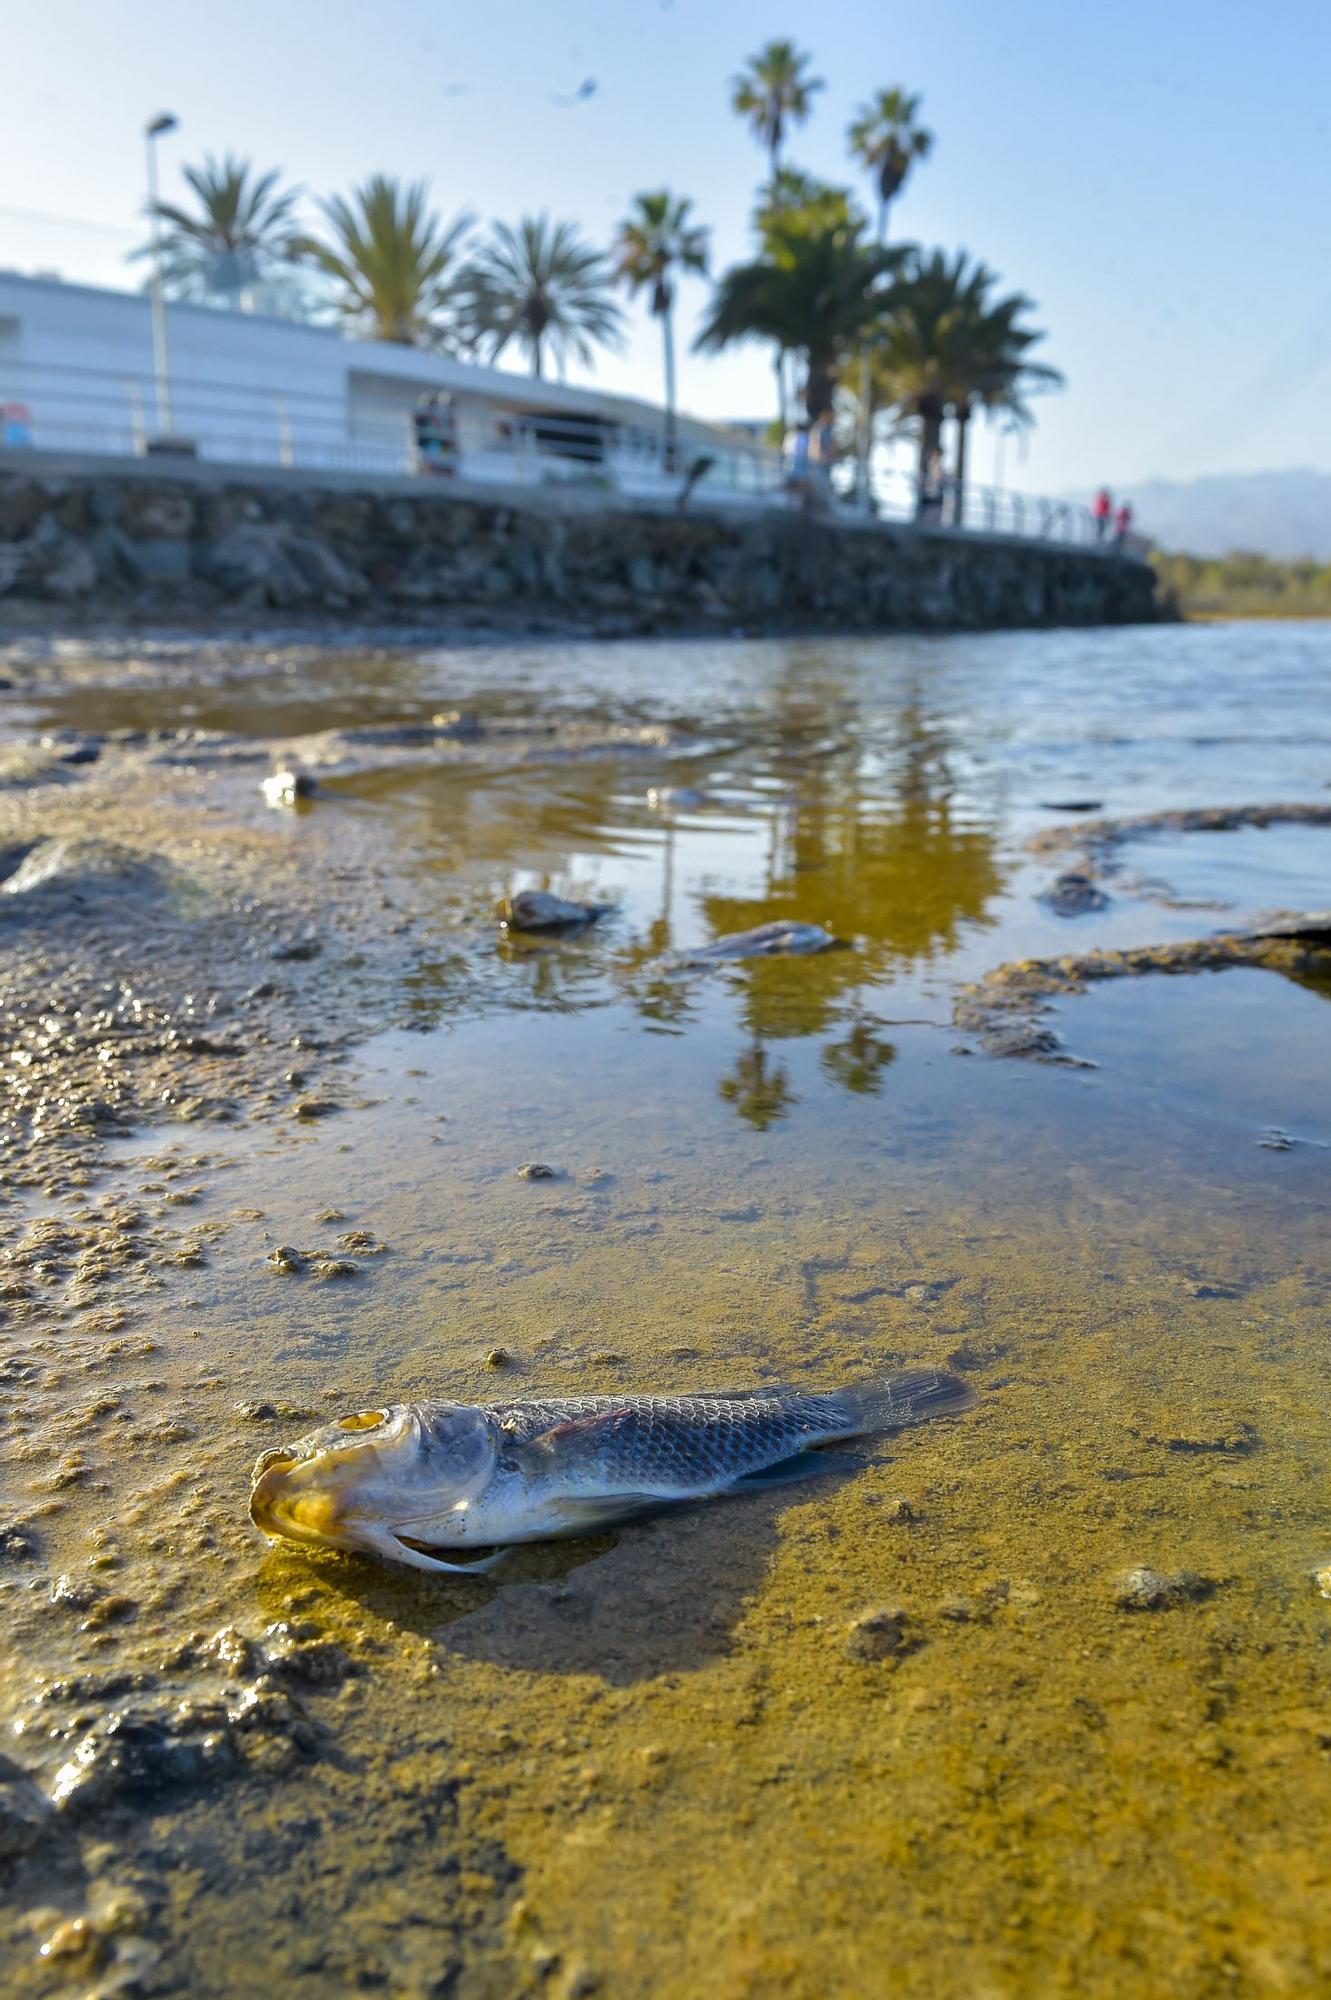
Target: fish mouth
[[285, 1506]]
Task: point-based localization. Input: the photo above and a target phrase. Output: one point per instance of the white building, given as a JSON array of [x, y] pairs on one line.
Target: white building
[[77, 375]]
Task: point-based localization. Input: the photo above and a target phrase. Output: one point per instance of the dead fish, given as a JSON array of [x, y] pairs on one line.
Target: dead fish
[[286, 788], [538, 910], [415, 1481], [782, 939]]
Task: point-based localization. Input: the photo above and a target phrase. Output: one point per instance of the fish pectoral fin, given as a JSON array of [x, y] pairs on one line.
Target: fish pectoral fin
[[804, 1465], [420, 1556], [581, 1516], [579, 1427]]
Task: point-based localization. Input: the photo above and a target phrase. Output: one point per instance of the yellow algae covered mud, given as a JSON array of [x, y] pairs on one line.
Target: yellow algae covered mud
[[1030, 1701]]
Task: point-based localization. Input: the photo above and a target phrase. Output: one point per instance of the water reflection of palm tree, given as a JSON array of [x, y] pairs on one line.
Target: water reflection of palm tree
[[858, 1060], [758, 1087]]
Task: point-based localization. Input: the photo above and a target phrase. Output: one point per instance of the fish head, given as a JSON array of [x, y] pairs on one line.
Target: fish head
[[376, 1480]]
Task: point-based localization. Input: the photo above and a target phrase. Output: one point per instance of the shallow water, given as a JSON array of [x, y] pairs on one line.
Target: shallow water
[[651, 1765]]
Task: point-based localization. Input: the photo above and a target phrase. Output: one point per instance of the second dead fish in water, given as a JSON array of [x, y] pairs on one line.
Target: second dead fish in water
[[783, 939], [419, 1481]]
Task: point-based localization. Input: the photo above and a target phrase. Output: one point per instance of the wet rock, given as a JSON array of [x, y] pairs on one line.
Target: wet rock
[[1160, 1590], [61, 879], [1074, 895], [1210, 1288], [499, 1357], [536, 1170], [296, 950], [885, 1633], [78, 1945], [310, 1108], [24, 1813], [902, 1513], [330, 1269], [18, 1542], [1322, 1579], [286, 1260], [137, 1754], [538, 910], [1071, 805]]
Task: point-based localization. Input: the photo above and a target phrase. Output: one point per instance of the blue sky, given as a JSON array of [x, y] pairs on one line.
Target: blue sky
[[1154, 175]]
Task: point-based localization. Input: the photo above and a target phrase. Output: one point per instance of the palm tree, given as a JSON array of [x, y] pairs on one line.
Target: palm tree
[[815, 291], [653, 243], [540, 284], [947, 345], [394, 260], [243, 232], [886, 140], [775, 89], [998, 376]]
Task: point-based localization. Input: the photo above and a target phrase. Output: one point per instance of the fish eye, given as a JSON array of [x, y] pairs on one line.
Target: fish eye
[[365, 1420]]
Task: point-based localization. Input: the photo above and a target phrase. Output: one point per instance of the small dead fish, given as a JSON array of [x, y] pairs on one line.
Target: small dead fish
[[415, 1481], [782, 939], [538, 910], [287, 788]]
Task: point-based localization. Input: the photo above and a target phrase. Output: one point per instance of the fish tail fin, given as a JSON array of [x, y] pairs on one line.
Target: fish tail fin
[[911, 1397]]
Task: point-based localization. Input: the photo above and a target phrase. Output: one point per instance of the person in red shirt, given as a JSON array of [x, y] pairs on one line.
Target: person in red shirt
[[1102, 508]]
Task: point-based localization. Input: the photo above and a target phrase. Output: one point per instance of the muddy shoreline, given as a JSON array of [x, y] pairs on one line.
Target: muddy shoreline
[[260, 1157]]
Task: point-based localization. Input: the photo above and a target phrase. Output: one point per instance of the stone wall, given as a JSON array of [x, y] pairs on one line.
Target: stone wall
[[142, 542]]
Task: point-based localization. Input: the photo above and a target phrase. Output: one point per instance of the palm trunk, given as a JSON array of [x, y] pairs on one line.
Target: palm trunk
[[670, 452], [865, 451], [780, 368], [536, 368], [959, 501], [931, 440]]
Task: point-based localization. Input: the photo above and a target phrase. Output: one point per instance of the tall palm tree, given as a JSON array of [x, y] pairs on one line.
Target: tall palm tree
[[542, 285], [243, 232], [395, 262], [886, 139], [815, 291], [654, 242], [774, 90]]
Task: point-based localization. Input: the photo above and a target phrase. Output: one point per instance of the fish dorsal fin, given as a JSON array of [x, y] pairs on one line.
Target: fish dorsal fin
[[576, 1428]]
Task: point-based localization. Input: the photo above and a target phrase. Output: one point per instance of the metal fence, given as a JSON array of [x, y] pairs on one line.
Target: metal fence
[[380, 427]]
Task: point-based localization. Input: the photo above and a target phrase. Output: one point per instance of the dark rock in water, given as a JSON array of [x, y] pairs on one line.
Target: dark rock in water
[[1160, 1590], [1074, 895], [536, 1170], [538, 910], [1071, 805]]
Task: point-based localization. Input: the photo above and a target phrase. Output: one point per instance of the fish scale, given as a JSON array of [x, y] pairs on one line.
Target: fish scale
[[688, 1441]]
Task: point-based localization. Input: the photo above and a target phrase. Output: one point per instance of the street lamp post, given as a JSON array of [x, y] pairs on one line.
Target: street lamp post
[[161, 356]]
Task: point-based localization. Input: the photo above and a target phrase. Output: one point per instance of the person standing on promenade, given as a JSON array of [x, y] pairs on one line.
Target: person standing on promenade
[[1102, 508], [1122, 524]]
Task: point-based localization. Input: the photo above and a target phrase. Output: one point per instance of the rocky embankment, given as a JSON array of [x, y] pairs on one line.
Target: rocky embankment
[[201, 544]]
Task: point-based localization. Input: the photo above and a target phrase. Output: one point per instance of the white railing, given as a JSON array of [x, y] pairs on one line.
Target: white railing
[[51, 407]]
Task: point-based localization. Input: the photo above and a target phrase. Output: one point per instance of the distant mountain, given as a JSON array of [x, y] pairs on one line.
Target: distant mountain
[[1281, 514]]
